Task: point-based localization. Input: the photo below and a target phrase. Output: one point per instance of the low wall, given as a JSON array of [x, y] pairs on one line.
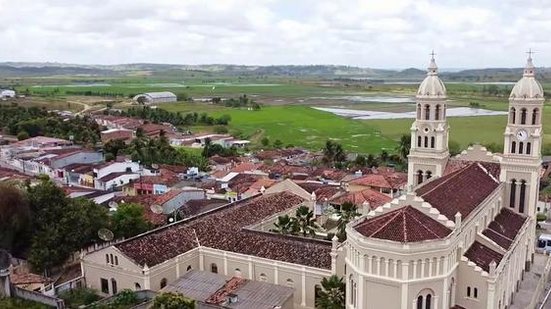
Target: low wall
[[39, 298]]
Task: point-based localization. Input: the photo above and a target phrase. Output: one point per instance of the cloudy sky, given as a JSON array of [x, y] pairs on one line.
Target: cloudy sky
[[369, 33]]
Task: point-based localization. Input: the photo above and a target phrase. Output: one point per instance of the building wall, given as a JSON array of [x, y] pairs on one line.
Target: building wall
[[116, 182], [79, 157], [117, 167]]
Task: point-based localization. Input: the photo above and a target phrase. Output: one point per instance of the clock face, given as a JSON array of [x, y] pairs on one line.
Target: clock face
[[522, 135]]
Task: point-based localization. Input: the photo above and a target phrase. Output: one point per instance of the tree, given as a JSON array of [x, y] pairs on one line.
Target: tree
[[15, 218], [22, 135], [404, 146], [333, 153], [173, 300], [305, 221], [265, 141], [114, 147], [360, 161], [142, 100], [129, 220], [278, 144], [454, 148], [286, 225], [332, 293], [347, 212], [383, 157]]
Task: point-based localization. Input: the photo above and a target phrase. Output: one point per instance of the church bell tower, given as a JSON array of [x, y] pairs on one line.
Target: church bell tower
[[520, 167], [429, 154]]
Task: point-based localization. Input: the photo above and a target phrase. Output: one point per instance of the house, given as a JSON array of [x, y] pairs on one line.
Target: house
[[384, 180], [7, 93], [115, 134], [175, 198]]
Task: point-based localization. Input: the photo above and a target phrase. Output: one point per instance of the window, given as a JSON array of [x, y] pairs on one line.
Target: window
[[137, 286], [520, 147], [237, 273], [528, 148], [427, 112], [113, 286], [535, 116], [513, 115], [290, 283], [419, 177], [353, 291], [111, 258], [432, 142], [116, 260], [475, 293], [523, 116], [213, 268], [107, 258], [437, 113], [263, 278], [513, 147], [428, 301], [104, 285], [418, 111], [420, 302], [513, 193], [188, 268], [163, 283], [419, 141], [522, 196], [468, 291], [429, 175], [426, 141]]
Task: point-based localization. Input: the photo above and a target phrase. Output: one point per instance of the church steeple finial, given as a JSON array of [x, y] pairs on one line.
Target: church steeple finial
[[529, 69], [432, 69]]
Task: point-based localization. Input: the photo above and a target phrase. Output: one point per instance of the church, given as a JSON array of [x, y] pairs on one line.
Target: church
[[463, 235]]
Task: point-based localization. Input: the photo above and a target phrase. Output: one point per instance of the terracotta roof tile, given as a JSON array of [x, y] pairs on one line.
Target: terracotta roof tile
[[482, 256], [374, 198], [167, 196], [505, 228], [406, 224], [225, 229], [460, 191]]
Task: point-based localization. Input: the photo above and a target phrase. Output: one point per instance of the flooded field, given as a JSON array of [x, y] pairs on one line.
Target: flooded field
[[368, 115]]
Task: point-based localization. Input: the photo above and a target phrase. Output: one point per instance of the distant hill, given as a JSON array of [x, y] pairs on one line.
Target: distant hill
[[34, 69]]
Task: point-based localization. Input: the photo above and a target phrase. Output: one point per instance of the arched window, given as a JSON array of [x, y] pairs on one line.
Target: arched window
[[116, 260], [111, 258], [188, 268], [426, 141], [353, 292], [419, 177], [427, 112], [137, 286], [513, 147], [528, 148], [475, 293], [107, 258], [163, 283], [418, 111], [237, 273], [429, 175], [428, 301], [522, 196], [513, 193], [513, 115], [432, 142], [419, 141], [523, 116], [213, 268], [437, 112], [520, 147], [468, 291], [263, 278], [113, 286], [535, 116], [420, 302]]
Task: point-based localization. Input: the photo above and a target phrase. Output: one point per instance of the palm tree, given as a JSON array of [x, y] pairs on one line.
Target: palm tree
[[286, 225], [306, 221], [347, 213], [332, 293], [404, 146]]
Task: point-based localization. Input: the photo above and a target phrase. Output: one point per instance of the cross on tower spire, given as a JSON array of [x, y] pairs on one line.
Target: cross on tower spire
[[530, 53], [432, 54]]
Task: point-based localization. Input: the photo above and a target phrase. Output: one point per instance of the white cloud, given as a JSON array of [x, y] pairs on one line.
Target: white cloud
[[372, 33]]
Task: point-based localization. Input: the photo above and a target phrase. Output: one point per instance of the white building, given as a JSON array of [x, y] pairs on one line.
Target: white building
[[7, 93], [155, 97]]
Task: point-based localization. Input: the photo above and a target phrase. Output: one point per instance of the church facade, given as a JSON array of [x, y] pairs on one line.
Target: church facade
[[463, 235]]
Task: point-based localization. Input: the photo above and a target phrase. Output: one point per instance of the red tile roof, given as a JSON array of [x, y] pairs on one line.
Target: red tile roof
[[384, 179], [245, 167], [482, 256], [505, 227], [374, 198], [19, 278], [220, 296], [225, 229], [322, 191], [460, 191], [406, 224], [165, 197]]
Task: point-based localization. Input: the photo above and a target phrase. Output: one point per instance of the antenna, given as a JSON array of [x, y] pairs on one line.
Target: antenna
[[196, 238], [105, 234], [156, 208], [113, 206]]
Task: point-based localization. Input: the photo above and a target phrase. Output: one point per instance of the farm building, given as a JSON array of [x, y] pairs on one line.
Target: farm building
[[7, 93], [155, 97]]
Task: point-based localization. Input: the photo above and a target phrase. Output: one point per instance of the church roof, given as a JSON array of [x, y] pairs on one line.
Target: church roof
[[505, 228], [460, 191], [528, 87], [482, 256], [406, 224]]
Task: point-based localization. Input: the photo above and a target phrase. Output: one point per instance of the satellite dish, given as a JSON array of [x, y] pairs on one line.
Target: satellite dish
[[155, 166], [105, 234], [156, 208], [113, 206]]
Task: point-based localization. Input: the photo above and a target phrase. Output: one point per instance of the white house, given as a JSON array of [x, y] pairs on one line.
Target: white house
[[7, 93]]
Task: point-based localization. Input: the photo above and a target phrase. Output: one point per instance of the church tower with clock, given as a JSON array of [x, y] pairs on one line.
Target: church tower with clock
[[520, 167], [429, 133]]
